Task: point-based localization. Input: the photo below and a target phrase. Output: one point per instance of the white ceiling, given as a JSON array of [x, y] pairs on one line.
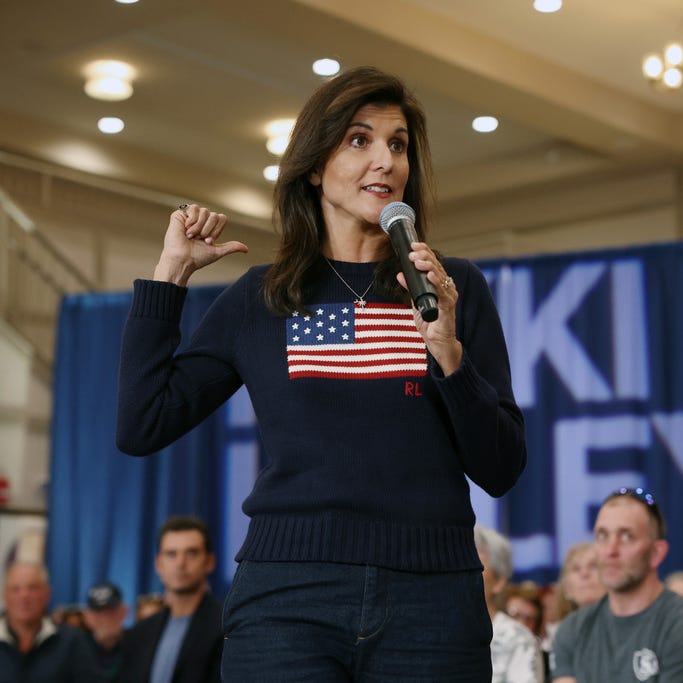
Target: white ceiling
[[567, 87]]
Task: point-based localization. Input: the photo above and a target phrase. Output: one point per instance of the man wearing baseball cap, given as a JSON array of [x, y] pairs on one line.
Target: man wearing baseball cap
[[104, 616]]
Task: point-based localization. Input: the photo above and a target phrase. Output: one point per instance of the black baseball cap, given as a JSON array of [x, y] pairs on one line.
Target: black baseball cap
[[104, 596]]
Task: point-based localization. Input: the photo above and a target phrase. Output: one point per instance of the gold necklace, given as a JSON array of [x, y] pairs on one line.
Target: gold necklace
[[360, 298]]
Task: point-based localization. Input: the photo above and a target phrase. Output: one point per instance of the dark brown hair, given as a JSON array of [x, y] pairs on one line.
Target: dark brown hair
[[185, 523], [319, 130]]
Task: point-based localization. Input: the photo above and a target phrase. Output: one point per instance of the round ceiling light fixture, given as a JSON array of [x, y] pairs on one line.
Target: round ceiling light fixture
[[326, 67], [665, 70], [109, 80], [547, 6], [111, 125], [271, 173], [278, 132], [485, 124]]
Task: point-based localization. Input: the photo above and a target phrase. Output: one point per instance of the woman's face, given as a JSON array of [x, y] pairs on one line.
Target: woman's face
[[581, 580], [367, 171]]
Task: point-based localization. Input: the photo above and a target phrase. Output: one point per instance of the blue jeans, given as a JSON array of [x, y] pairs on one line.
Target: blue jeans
[[328, 623]]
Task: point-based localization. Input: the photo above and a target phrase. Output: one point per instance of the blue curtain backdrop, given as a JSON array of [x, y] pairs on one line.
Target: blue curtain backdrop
[[596, 349], [105, 507]]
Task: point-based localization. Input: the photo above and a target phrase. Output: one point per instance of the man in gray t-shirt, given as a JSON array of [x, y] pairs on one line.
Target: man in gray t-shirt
[[635, 633]]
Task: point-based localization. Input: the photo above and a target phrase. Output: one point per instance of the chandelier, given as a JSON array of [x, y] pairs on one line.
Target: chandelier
[[665, 70]]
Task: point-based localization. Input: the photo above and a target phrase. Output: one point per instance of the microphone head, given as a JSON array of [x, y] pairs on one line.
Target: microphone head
[[393, 211]]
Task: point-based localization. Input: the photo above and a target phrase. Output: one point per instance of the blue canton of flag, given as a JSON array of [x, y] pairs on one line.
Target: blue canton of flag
[[348, 342]]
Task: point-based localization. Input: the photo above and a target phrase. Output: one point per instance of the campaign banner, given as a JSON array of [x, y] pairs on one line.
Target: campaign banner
[[596, 353]]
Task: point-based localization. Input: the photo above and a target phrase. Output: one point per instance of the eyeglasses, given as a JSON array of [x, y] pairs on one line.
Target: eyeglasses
[[642, 496]]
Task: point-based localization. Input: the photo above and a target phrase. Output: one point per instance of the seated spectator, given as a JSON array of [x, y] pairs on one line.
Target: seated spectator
[[515, 653], [579, 580], [32, 647], [674, 582], [578, 585], [104, 616], [635, 632], [523, 603], [72, 615], [148, 604]]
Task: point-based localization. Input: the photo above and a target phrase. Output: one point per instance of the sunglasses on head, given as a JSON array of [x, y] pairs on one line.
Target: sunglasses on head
[[642, 496]]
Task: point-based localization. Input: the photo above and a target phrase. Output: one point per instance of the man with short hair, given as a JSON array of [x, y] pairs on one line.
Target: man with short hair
[[183, 642], [104, 615], [33, 649], [635, 633]]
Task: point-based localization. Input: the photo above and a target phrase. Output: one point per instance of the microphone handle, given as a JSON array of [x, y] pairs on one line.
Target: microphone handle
[[422, 291]]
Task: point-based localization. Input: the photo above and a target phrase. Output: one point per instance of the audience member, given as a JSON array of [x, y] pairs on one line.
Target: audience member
[[148, 604], [72, 615], [674, 582], [33, 649], [515, 653], [104, 616], [182, 642], [635, 632], [579, 582], [523, 603], [578, 585]]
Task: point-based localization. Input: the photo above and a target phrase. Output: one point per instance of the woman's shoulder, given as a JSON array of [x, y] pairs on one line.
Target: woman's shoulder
[[257, 272], [463, 271], [252, 277]]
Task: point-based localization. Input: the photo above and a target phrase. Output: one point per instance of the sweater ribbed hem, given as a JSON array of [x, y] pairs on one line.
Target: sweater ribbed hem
[[351, 540]]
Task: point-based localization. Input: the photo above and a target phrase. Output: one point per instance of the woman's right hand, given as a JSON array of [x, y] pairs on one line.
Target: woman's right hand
[[191, 243]]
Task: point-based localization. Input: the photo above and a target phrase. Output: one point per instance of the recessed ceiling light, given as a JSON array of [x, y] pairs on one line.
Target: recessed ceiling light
[[109, 67], [279, 127], [270, 173], [126, 2], [111, 124], [672, 77], [547, 6], [277, 145], [108, 88], [673, 54], [485, 124], [278, 132], [109, 79], [326, 67], [653, 66]]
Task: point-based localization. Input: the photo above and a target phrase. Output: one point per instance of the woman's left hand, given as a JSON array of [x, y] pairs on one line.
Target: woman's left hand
[[439, 335]]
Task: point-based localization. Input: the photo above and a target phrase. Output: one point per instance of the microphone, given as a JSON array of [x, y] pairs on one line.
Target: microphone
[[398, 221]]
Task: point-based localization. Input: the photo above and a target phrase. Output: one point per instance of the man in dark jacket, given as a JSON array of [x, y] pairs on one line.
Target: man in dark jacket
[[182, 643], [33, 649], [104, 617]]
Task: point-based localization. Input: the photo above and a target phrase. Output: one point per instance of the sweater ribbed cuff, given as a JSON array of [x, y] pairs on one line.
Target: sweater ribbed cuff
[[155, 299], [462, 386]]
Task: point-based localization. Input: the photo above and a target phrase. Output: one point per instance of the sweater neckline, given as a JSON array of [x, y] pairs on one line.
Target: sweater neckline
[[352, 268]]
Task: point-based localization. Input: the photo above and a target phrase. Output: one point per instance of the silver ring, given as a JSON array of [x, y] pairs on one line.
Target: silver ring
[[447, 282]]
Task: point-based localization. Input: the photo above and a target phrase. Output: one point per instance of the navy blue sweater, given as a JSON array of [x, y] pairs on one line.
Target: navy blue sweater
[[368, 443]]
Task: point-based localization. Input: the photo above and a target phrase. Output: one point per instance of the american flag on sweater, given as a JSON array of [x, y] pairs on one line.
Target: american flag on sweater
[[349, 342]]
